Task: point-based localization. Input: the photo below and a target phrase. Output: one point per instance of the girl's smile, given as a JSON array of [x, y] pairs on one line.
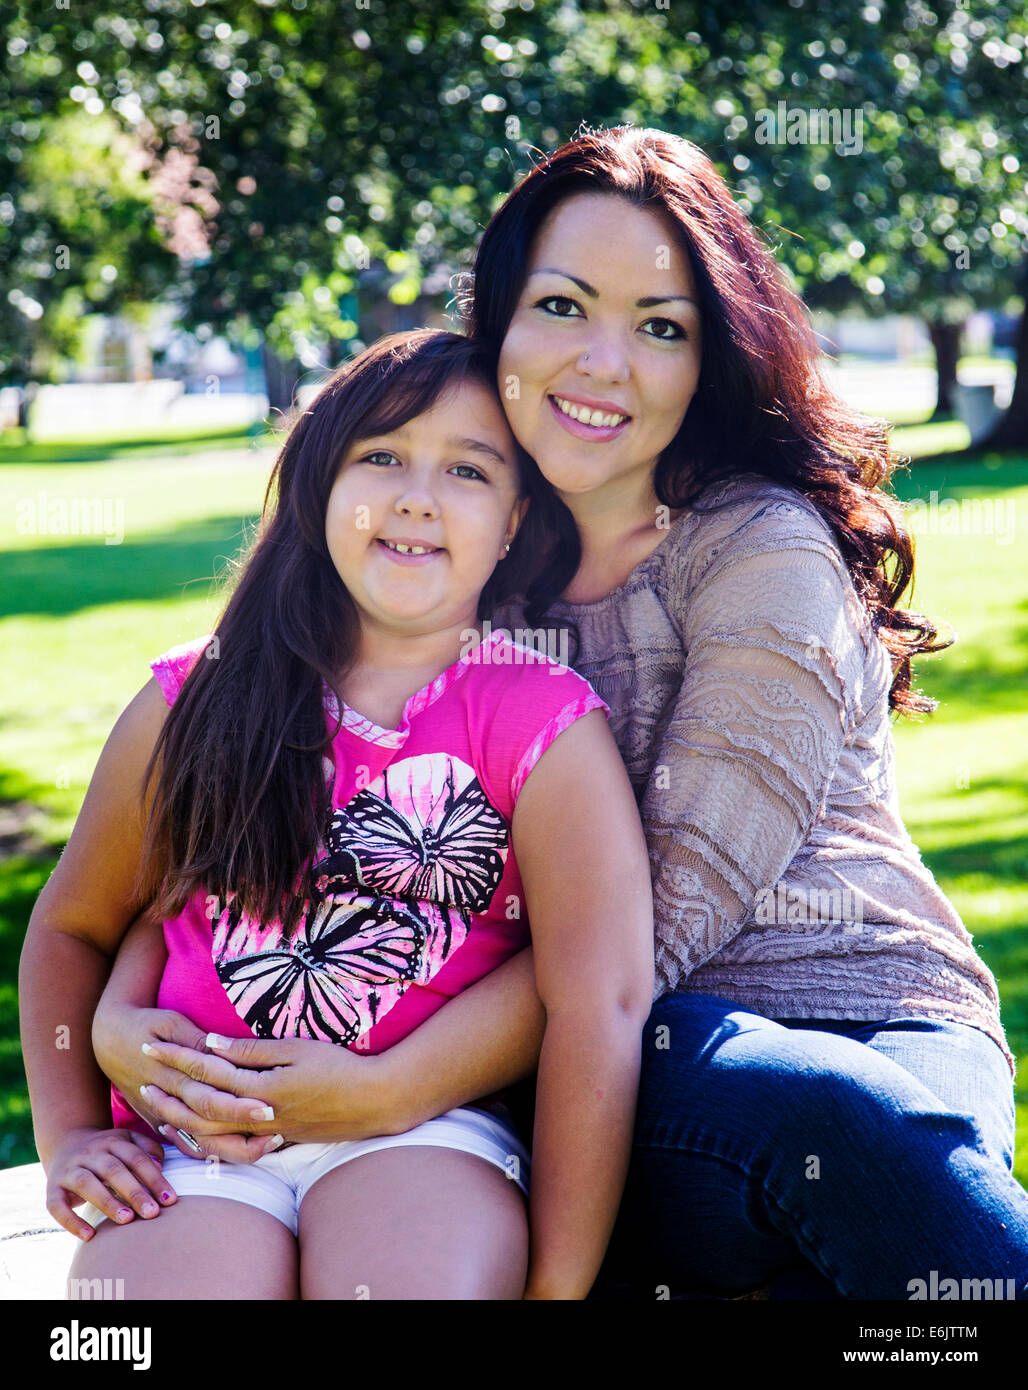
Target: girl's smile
[[408, 551]]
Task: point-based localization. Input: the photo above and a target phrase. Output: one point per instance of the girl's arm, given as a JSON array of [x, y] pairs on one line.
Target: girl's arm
[[583, 860], [74, 930], [76, 925], [139, 965]]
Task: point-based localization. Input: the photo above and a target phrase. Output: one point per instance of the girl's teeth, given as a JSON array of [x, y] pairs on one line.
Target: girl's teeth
[[586, 415], [409, 549]]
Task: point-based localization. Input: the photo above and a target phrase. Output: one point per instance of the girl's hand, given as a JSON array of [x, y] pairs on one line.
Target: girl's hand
[[115, 1169], [123, 1039], [318, 1092]]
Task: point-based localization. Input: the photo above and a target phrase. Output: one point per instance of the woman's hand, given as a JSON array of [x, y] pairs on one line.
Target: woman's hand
[[317, 1092], [115, 1169], [123, 1040]]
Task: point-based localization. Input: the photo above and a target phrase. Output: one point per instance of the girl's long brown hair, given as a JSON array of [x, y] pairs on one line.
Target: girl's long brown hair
[[240, 795], [761, 405]]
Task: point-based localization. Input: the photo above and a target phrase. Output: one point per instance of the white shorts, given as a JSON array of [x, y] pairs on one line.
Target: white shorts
[[278, 1182]]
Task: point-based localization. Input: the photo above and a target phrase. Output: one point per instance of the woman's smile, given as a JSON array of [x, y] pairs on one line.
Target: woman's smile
[[611, 427], [591, 347]]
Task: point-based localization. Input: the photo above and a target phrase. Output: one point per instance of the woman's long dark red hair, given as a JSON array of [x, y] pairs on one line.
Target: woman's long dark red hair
[[761, 405], [240, 796]]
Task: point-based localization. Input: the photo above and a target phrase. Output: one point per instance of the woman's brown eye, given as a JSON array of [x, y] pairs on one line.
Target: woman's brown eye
[[556, 299], [666, 323]]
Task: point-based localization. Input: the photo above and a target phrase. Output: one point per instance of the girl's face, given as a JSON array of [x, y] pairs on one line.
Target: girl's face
[[446, 483], [608, 318]]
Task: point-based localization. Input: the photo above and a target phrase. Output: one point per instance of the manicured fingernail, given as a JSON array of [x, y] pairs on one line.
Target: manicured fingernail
[[163, 1129], [216, 1040], [124, 1215], [148, 1049], [144, 1091], [165, 1196], [275, 1142], [264, 1113], [150, 1208]]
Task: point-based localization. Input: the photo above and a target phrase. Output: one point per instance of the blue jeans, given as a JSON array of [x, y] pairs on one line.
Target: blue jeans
[[831, 1159]]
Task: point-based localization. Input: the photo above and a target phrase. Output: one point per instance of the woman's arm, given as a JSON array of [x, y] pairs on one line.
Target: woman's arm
[[583, 861], [483, 1040], [486, 1038], [770, 693]]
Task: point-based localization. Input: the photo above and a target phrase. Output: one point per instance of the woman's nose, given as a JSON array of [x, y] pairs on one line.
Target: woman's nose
[[605, 359]]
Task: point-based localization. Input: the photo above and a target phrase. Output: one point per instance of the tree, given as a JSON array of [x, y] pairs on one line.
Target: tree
[[334, 144], [925, 213]]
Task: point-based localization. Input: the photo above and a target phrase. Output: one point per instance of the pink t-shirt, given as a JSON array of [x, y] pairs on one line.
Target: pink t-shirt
[[418, 894]]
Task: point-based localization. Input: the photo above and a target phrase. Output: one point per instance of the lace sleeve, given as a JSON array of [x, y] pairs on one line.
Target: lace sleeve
[[774, 637]]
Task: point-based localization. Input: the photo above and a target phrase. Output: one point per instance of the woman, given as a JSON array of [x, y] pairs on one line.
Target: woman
[[826, 1084]]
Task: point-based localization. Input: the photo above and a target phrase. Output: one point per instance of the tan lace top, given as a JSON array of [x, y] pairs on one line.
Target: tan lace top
[[749, 700]]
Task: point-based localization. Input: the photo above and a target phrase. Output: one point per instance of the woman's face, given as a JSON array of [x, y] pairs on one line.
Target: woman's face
[[608, 318], [445, 483]]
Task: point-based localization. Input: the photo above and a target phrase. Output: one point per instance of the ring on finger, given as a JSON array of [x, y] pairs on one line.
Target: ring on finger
[[188, 1139]]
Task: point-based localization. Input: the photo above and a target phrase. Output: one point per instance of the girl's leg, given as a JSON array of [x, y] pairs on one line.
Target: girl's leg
[[758, 1144], [414, 1223], [200, 1248]]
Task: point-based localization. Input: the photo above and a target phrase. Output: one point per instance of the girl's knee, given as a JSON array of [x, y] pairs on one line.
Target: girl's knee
[[200, 1248]]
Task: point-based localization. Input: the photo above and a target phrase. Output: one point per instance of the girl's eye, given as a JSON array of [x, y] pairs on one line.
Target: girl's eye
[[384, 454]]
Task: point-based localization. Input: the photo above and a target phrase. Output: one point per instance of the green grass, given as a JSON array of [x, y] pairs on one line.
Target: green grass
[[918, 439], [963, 771], [80, 620], [16, 448]]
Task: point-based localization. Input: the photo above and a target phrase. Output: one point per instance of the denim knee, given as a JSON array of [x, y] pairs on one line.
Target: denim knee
[[707, 1062]]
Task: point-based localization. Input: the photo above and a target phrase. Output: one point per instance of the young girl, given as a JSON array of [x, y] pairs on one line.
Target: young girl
[[351, 812]]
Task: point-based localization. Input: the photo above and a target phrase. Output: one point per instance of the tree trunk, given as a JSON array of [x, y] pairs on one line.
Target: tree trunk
[[1011, 429], [336, 351], [946, 343], [280, 378], [28, 395]]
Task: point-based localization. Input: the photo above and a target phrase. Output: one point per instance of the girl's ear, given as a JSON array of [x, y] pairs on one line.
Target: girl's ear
[[517, 516]]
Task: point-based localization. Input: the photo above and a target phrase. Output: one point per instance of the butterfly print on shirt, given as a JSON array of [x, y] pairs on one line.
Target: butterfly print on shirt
[[330, 981], [424, 830], [408, 860]]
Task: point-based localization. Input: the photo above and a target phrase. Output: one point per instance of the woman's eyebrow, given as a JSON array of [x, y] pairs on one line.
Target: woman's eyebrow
[[647, 303]]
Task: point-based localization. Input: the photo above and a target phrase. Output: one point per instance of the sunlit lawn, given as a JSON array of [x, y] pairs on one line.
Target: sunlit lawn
[[80, 620]]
